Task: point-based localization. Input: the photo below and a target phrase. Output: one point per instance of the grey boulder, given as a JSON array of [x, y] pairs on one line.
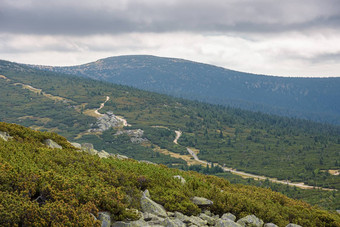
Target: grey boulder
[[51, 144], [152, 207], [227, 223], [250, 221]]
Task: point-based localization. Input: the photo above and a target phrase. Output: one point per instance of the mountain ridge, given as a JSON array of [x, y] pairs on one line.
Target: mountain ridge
[[309, 98]]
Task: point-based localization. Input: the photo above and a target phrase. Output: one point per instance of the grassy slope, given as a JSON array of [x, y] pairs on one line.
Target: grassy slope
[[42, 186], [254, 142]]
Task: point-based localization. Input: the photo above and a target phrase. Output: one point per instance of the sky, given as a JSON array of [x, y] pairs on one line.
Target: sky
[[272, 37]]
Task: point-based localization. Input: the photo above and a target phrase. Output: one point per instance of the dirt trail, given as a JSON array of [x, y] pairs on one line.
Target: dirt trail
[[256, 177], [178, 134], [101, 106]]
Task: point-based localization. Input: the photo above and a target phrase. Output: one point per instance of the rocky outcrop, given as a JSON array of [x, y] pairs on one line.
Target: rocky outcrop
[[293, 225], [103, 154], [76, 145], [250, 221], [226, 223], [136, 135], [51, 144], [5, 136], [228, 216], [88, 147], [270, 225], [105, 122]]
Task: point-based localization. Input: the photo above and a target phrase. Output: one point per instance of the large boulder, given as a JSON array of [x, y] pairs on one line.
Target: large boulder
[[105, 218], [200, 201], [138, 223], [196, 221], [152, 207], [51, 144], [250, 221], [226, 223], [5, 136], [76, 145]]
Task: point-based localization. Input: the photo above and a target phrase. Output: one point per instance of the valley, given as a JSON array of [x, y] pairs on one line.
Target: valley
[[253, 144]]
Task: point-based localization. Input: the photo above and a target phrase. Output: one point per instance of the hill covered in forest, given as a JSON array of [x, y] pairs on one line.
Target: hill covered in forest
[[144, 125], [309, 98], [45, 186]]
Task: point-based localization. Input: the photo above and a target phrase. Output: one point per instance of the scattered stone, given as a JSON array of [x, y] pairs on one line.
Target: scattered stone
[[105, 218], [183, 181], [138, 223], [293, 225], [250, 221], [200, 201], [270, 225], [229, 216], [5, 136], [170, 214], [181, 216], [103, 154], [152, 207], [51, 144], [227, 223]]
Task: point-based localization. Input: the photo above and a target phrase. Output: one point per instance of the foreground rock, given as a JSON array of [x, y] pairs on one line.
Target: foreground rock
[[5, 136], [51, 144], [251, 221], [202, 202], [152, 207]]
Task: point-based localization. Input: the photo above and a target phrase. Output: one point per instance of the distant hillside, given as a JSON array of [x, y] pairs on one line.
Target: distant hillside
[[316, 99]]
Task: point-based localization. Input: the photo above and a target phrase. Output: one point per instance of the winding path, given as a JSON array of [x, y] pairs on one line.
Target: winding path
[[101, 106], [249, 175]]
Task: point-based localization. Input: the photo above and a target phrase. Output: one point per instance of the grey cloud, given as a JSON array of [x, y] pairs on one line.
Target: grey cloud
[[86, 17]]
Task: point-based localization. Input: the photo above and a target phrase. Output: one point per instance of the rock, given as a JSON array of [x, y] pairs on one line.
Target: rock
[[5, 136], [226, 223], [152, 207], [229, 216], [105, 122], [200, 201], [181, 216], [210, 220], [121, 157], [152, 219], [293, 225], [183, 181], [135, 135], [138, 223], [147, 162], [51, 144], [76, 145], [250, 221], [170, 214], [105, 218], [270, 225], [146, 193], [196, 221], [103, 154], [88, 147], [173, 223]]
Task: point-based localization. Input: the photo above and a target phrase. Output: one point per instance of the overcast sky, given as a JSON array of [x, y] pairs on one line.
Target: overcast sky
[[286, 38]]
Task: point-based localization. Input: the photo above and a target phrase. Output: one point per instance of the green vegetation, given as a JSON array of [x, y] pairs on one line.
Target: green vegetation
[[43, 186], [285, 148]]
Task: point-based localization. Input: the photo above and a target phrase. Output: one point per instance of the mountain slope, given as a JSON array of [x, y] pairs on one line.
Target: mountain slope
[[310, 98], [277, 147], [41, 186]]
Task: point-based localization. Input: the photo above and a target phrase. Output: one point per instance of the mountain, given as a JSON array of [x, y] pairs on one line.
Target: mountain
[[176, 132], [60, 185], [317, 99]]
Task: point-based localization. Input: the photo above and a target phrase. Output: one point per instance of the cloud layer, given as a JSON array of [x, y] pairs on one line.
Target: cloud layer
[[265, 36]]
